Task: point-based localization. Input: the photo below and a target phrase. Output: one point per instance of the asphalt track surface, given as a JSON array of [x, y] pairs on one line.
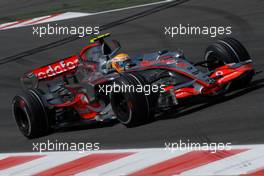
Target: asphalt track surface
[[237, 118]]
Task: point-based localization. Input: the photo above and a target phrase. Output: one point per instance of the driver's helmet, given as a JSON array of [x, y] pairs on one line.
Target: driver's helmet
[[120, 62]]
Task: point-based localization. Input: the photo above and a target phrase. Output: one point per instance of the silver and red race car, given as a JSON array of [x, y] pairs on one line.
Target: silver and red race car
[[100, 84]]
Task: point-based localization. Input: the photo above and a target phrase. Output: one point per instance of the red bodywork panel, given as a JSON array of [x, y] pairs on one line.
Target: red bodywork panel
[[60, 67], [225, 73], [228, 73]]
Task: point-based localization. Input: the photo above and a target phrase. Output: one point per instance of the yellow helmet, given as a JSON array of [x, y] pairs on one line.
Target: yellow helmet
[[120, 61]]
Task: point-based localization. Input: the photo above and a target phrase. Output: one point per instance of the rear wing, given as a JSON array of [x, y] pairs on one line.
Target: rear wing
[[51, 71], [57, 68]]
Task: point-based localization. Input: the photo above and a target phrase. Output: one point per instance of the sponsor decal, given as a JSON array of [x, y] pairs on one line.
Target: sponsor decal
[[56, 68]]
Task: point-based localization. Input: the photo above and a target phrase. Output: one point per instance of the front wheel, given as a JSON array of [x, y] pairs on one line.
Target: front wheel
[[225, 51]]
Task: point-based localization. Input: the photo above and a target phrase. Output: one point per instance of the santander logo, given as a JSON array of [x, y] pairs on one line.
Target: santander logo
[[56, 68]]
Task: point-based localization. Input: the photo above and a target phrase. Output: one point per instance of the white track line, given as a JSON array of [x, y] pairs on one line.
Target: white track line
[[66, 16], [131, 7]]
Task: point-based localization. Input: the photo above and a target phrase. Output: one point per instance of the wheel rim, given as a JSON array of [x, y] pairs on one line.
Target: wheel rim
[[122, 107], [216, 60]]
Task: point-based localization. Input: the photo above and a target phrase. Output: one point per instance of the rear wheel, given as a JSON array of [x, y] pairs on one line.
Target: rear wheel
[[132, 108], [30, 113], [225, 51]]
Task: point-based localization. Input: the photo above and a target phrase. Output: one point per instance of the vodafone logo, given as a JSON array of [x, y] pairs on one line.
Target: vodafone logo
[[56, 68], [219, 73]]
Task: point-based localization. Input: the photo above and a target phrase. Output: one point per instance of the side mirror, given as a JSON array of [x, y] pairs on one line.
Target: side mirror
[[161, 52], [180, 54]]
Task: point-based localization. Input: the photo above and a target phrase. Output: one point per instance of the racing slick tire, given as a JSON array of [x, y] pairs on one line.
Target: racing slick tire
[[130, 107], [31, 114], [225, 51]]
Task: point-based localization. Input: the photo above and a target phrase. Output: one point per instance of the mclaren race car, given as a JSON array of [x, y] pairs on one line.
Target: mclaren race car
[[101, 84]]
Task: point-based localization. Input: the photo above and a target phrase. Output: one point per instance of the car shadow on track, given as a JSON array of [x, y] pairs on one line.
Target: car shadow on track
[[87, 126], [205, 102]]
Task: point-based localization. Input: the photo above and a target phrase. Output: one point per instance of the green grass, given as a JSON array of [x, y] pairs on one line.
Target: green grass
[[38, 10]]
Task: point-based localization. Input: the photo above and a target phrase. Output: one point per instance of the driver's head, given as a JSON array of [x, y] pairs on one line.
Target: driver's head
[[120, 62]]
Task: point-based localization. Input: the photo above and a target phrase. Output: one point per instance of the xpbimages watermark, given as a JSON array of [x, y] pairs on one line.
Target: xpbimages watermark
[[212, 31], [146, 89], [64, 146], [187, 145], [48, 29]]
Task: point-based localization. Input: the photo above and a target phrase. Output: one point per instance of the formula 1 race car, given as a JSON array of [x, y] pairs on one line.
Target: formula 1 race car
[[100, 84]]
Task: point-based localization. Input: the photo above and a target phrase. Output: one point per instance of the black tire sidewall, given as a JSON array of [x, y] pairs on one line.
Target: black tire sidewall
[[140, 110], [36, 115], [229, 50]]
